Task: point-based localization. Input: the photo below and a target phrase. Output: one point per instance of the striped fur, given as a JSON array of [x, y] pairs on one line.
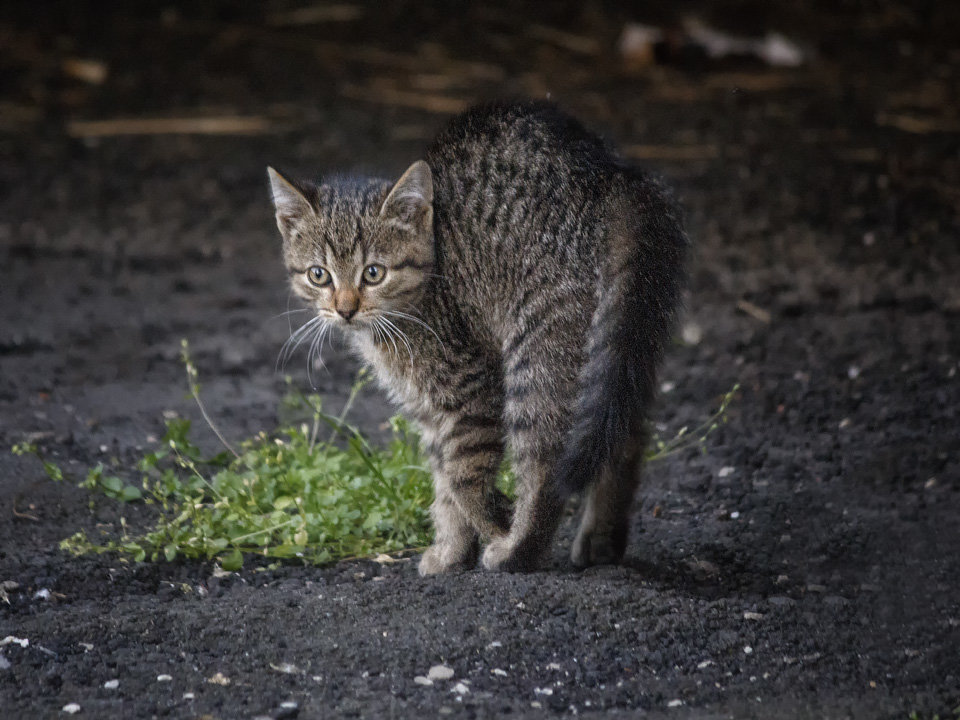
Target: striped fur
[[531, 278]]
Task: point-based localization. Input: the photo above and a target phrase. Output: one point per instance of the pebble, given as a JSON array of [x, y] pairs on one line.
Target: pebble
[[748, 650], [421, 680], [726, 471], [692, 333], [675, 703], [499, 672], [164, 678], [111, 684], [218, 679], [752, 616], [460, 689], [288, 709], [71, 708], [440, 672]]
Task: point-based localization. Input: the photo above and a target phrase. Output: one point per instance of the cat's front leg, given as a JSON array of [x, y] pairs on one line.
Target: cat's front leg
[[465, 453], [456, 543], [538, 386]]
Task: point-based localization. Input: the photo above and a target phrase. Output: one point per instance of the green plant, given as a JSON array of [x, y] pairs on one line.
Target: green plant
[[296, 493]]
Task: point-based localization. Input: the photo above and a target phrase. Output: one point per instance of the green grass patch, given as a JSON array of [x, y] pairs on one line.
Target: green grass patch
[[315, 490]]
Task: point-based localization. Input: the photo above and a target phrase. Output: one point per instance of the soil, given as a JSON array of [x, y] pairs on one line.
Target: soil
[[805, 566]]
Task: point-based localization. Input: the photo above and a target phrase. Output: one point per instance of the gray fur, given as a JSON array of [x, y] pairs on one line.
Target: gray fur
[[531, 277]]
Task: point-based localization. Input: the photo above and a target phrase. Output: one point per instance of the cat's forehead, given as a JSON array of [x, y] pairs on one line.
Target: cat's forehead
[[346, 208]]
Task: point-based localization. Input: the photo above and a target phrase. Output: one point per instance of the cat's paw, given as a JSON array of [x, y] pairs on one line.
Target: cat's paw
[[592, 547], [444, 559], [504, 554]]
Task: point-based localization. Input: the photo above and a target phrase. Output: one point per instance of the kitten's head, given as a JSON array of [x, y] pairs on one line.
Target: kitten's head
[[358, 249]]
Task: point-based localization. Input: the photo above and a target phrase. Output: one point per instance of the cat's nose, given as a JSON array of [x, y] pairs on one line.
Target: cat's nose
[[346, 313]]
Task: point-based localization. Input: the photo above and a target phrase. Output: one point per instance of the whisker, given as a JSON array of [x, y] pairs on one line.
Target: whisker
[[290, 312], [389, 334], [412, 318], [402, 336], [314, 351], [295, 339]]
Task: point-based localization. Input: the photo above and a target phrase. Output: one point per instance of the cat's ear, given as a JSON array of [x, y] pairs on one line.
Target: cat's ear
[[410, 202], [289, 200]]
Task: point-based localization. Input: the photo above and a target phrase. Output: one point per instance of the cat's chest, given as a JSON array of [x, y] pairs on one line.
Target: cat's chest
[[399, 373]]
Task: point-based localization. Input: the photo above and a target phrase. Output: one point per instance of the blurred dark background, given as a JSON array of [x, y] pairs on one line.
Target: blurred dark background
[[815, 147]]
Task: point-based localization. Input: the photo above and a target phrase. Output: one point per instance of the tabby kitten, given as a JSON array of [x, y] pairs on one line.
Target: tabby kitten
[[513, 291]]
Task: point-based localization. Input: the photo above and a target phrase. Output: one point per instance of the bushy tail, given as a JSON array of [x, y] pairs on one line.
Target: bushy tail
[[640, 286]]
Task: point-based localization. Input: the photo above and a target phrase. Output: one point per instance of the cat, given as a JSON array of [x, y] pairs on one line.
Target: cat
[[513, 292]]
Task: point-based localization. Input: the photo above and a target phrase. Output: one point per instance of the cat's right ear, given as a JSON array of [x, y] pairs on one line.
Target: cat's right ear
[[290, 202]]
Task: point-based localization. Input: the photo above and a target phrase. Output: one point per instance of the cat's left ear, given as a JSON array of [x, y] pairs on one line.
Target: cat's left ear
[[410, 202], [290, 202]]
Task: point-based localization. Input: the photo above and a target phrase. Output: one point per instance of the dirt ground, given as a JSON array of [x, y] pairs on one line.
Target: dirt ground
[[807, 566]]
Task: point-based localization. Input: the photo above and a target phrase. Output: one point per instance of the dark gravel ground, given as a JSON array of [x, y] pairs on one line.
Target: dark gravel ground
[[806, 567]]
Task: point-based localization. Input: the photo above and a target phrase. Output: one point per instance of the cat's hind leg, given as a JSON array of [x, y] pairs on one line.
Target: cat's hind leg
[[605, 525]]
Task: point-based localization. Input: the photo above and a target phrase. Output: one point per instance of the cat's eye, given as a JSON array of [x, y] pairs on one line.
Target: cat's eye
[[319, 276], [373, 274]]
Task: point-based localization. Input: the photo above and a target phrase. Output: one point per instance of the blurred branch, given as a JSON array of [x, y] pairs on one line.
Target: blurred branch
[[216, 125]]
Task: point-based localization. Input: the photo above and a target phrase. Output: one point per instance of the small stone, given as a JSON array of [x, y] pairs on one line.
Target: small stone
[[219, 679], [421, 680], [288, 709], [498, 672], [164, 678], [781, 601], [286, 668], [71, 708], [845, 423], [704, 664], [726, 471], [188, 696], [440, 672], [853, 372], [460, 689], [111, 684], [668, 386], [752, 616], [42, 594], [675, 703], [554, 666], [543, 691], [691, 333], [748, 650]]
